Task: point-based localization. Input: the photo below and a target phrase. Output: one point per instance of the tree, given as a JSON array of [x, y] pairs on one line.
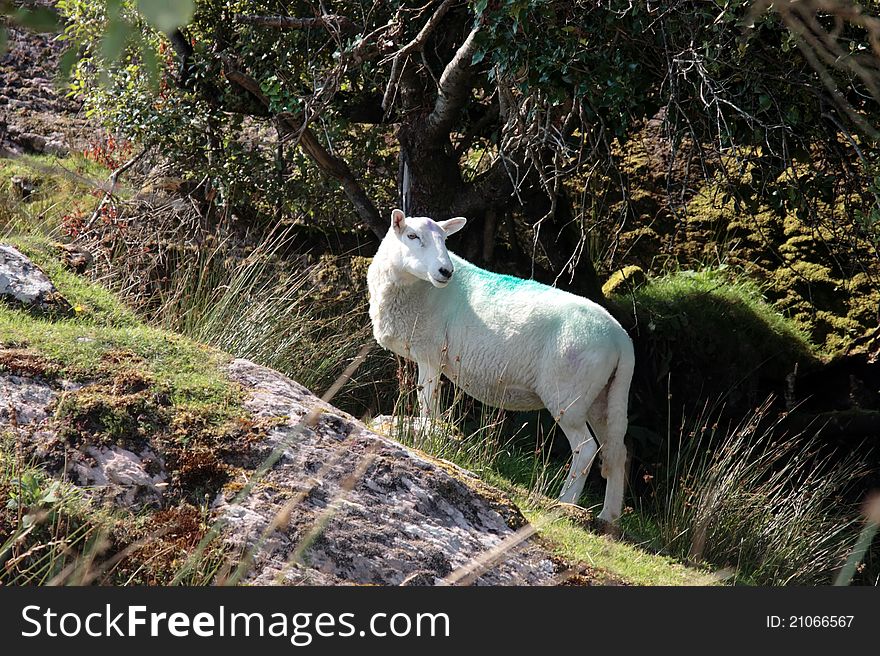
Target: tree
[[497, 110]]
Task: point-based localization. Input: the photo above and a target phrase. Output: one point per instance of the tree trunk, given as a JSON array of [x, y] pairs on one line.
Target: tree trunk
[[430, 177], [431, 184]]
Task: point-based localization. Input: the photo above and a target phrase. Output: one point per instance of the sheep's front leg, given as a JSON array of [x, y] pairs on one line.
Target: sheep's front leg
[[428, 387]]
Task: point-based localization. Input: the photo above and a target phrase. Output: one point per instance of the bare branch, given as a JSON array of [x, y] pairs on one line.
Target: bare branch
[[113, 181], [453, 89], [325, 160], [327, 22], [420, 38], [822, 50]]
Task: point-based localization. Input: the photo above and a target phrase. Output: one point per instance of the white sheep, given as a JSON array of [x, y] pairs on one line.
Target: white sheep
[[508, 342]]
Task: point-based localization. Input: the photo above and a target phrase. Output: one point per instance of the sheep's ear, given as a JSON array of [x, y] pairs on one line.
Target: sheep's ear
[[451, 226], [398, 221]]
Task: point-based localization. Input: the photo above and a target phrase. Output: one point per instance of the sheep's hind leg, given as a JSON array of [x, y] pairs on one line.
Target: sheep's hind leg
[[614, 472], [583, 449]]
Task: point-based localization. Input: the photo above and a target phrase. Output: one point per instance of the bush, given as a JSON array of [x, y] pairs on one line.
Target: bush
[[768, 505]]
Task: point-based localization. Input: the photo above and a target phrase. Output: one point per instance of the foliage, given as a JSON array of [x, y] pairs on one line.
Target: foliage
[[537, 100], [687, 322], [749, 497]]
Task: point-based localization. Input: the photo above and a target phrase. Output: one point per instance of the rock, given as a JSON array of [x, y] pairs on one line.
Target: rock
[[344, 505], [425, 428], [75, 258], [109, 471], [121, 473], [24, 284], [23, 400], [36, 116], [334, 503], [22, 188]]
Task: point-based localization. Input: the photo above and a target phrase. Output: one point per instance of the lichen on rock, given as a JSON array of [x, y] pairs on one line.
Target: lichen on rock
[[23, 283], [406, 517]]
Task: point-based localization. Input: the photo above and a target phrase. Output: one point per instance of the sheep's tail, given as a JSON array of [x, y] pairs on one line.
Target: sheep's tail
[[616, 409]]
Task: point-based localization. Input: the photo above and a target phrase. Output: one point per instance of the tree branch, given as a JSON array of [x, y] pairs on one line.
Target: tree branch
[[184, 51], [453, 89], [113, 181], [419, 40], [327, 22], [325, 160]]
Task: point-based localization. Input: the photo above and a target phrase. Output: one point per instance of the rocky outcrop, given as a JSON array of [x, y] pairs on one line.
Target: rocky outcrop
[[24, 400], [36, 115], [126, 478], [317, 499], [24, 284], [342, 504]]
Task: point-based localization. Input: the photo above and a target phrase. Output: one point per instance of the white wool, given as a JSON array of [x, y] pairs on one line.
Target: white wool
[[511, 343]]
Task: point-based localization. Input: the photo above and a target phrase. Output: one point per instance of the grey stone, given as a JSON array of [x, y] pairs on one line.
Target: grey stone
[[23, 283], [121, 473], [406, 519], [336, 504], [23, 401]]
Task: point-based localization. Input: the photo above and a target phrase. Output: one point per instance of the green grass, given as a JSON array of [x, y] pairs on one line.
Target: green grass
[[65, 186], [705, 335], [684, 298], [190, 372], [749, 497], [635, 565]]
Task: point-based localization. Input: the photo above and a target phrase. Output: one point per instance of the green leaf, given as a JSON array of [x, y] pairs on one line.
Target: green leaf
[[113, 8], [52, 495], [3, 40], [68, 60], [114, 40], [167, 15], [151, 63], [40, 19]]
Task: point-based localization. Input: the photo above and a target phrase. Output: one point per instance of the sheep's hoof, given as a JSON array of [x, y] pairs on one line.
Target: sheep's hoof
[[605, 527], [578, 514]]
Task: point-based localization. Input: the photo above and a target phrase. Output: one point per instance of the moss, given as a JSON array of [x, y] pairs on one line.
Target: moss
[[22, 362], [800, 247], [864, 306], [705, 212], [91, 303], [102, 413], [836, 332], [140, 386], [809, 265], [625, 280], [157, 546], [641, 244], [813, 286], [689, 322]]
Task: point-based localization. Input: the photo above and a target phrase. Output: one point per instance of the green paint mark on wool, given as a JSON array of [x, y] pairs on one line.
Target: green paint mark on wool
[[496, 282]]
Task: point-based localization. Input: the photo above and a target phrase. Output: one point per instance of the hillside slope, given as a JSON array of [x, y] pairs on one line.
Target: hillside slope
[[132, 455]]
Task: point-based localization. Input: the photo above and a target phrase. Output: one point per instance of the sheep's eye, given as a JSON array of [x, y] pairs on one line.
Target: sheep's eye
[[412, 236]]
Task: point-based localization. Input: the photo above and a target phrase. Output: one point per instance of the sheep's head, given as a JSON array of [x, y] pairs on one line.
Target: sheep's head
[[421, 246]]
